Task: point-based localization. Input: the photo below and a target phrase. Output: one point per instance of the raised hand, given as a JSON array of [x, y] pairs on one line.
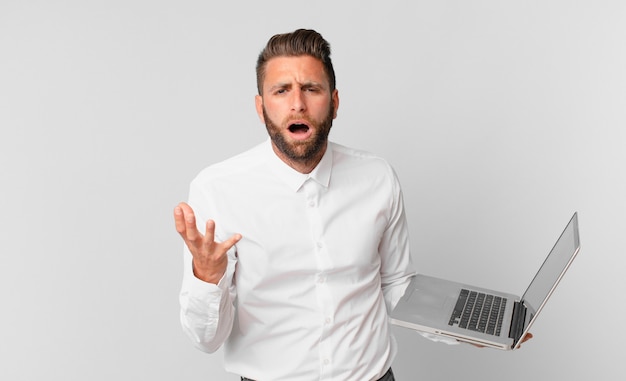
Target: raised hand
[[209, 257]]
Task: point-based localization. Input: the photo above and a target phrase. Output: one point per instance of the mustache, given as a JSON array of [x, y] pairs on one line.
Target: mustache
[[299, 117]]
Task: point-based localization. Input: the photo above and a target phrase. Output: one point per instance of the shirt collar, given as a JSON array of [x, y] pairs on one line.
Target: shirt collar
[[294, 179]]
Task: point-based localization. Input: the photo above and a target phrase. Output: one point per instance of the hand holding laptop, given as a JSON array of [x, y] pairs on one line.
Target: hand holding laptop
[[480, 316]]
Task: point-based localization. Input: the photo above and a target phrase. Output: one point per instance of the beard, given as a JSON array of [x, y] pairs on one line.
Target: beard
[[304, 151]]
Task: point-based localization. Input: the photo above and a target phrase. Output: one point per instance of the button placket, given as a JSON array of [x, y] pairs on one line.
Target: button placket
[[312, 192]]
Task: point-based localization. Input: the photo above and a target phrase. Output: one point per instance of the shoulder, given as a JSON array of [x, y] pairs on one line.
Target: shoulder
[[360, 159]]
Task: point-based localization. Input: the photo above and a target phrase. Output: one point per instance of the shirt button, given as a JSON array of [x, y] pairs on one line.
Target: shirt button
[[311, 204], [326, 361], [327, 320]]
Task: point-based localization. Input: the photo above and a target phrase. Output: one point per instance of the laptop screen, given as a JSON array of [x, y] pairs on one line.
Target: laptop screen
[[552, 268]]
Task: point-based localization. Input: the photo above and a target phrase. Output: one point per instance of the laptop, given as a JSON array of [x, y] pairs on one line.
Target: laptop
[[481, 316]]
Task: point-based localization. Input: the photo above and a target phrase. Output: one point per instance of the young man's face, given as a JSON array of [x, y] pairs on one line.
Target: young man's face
[[297, 107]]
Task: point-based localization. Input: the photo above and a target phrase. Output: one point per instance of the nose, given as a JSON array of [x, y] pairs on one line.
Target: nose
[[298, 102]]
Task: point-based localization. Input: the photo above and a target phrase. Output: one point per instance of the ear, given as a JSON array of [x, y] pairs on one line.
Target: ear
[[258, 103], [335, 97]]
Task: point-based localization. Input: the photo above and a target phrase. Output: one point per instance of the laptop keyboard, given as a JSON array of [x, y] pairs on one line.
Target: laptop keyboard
[[479, 312]]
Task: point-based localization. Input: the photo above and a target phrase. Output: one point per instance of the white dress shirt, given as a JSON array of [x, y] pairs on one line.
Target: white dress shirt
[[323, 258]]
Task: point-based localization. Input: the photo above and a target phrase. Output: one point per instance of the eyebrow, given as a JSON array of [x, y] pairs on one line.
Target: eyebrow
[[279, 86], [288, 85]]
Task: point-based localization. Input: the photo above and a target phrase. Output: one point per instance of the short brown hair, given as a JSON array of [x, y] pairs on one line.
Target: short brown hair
[[298, 43]]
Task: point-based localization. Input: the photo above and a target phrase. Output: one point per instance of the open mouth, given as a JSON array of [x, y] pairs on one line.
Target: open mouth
[[297, 128]]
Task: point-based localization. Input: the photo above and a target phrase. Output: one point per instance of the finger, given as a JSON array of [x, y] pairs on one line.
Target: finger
[[527, 337], [209, 232], [179, 220], [226, 245], [191, 232]]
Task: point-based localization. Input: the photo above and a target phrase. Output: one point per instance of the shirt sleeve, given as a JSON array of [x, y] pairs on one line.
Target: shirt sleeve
[[207, 310], [396, 264]]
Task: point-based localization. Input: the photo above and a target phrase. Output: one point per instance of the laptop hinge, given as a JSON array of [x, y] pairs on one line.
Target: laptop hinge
[[517, 322]]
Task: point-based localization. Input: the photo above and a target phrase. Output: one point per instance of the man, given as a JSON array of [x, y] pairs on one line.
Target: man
[[297, 249]]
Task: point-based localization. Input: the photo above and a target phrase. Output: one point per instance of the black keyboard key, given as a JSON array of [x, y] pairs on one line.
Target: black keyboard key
[[458, 308], [478, 311]]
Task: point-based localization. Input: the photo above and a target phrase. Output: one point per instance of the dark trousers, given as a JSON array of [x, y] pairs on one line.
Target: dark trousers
[[387, 377]]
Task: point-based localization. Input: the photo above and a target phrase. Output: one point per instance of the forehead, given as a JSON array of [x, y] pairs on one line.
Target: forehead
[[299, 69]]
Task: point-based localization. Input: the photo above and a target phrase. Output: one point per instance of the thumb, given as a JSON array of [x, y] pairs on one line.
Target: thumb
[[230, 242]]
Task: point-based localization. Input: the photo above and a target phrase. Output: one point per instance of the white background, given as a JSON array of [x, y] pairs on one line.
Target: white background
[[501, 118]]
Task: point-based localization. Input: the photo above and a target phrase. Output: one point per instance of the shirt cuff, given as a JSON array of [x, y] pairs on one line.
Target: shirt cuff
[[201, 289]]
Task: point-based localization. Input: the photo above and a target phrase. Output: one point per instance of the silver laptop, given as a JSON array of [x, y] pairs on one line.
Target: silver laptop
[[482, 316]]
